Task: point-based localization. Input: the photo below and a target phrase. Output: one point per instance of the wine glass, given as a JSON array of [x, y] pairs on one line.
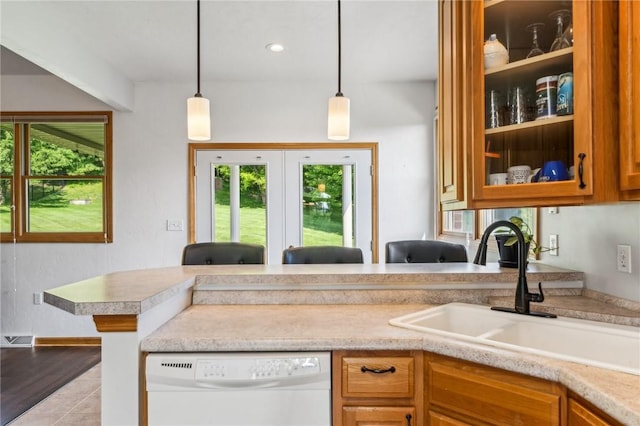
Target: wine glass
[[535, 49], [560, 42]]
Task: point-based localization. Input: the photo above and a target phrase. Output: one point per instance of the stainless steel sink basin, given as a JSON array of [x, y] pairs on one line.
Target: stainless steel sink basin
[[610, 346]]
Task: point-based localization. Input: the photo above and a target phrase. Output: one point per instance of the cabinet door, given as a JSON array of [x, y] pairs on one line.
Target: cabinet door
[[490, 396], [584, 141], [438, 419], [581, 415], [454, 101], [629, 26], [376, 416]]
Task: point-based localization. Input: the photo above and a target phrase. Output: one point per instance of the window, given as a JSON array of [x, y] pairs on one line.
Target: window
[[467, 226], [55, 177]]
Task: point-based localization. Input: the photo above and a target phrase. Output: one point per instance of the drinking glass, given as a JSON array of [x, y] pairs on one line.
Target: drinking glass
[[560, 42], [494, 110], [517, 106], [535, 49]]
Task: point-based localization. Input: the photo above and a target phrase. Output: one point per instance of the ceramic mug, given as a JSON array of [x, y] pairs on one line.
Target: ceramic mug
[[518, 174], [553, 171], [498, 179]]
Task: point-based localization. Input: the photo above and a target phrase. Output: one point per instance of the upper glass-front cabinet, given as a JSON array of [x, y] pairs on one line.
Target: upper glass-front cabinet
[[543, 90]]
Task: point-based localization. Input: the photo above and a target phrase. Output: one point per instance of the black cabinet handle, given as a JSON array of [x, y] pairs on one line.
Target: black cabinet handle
[[366, 369], [581, 156], [408, 417]]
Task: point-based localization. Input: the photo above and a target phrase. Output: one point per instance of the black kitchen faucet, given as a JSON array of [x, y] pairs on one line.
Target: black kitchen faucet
[[523, 297]]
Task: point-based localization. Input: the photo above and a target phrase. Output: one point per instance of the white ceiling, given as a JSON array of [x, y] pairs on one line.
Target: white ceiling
[[90, 42]]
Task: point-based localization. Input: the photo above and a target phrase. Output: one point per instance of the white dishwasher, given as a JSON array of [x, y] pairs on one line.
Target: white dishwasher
[[239, 389]]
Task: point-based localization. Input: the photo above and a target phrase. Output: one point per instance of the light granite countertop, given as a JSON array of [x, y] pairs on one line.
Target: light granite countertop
[[239, 328], [135, 292]]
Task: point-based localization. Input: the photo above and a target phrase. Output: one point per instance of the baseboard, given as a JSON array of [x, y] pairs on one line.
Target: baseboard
[[68, 341]]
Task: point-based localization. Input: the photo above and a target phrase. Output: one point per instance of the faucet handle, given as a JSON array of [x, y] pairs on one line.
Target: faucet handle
[[537, 298]]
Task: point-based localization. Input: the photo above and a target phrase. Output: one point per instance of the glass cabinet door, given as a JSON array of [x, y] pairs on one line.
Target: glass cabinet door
[[543, 117]]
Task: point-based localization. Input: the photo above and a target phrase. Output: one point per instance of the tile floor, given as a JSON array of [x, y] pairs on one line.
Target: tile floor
[[76, 403]]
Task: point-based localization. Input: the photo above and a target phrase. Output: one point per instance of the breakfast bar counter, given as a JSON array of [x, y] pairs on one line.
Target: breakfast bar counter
[[136, 292], [319, 307]]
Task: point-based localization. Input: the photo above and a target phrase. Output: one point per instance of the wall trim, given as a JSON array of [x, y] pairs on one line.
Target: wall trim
[[68, 341]]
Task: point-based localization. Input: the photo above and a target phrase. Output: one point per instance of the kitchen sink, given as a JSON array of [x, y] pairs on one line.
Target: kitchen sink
[[611, 346]]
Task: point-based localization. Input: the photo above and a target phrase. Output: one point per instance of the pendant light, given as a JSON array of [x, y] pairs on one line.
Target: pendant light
[[198, 116], [338, 123]]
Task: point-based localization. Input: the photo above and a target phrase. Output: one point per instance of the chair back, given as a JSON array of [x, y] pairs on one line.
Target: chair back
[[424, 251], [322, 254], [222, 254]]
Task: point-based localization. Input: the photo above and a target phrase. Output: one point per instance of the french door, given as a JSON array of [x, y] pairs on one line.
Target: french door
[[279, 196]]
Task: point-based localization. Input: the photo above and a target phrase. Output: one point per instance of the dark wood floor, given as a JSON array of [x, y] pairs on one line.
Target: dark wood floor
[[28, 375]]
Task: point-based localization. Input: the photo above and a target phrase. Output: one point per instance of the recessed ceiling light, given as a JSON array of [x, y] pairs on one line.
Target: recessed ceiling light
[[274, 47]]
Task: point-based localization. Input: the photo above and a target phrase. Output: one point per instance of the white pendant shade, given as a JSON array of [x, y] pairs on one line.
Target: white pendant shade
[[198, 119], [339, 118]]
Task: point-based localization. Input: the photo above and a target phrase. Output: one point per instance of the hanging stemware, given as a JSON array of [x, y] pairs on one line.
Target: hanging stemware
[[560, 17], [535, 48]]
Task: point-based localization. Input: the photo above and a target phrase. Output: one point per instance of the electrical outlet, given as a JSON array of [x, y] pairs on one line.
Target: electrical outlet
[[624, 258], [553, 244], [38, 298], [175, 225]]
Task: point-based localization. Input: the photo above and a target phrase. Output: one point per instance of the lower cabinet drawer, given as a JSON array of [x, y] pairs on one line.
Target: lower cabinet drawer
[[375, 416], [491, 396], [378, 376]]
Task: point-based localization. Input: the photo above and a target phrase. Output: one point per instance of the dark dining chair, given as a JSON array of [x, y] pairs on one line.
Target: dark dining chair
[[424, 251], [322, 254], [222, 254]]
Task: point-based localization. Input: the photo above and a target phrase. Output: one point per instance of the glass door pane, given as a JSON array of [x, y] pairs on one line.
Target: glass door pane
[[239, 198], [240, 203], [327, 200]]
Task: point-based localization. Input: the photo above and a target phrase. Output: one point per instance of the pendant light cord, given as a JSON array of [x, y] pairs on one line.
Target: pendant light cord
[[198, 94], [339, 52]]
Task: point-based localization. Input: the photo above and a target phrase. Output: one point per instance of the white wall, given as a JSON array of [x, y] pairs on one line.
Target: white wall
[[150, 183], [588, 238]]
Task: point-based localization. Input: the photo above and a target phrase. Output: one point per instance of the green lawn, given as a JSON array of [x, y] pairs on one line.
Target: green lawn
[[53, 211], [252, 227]]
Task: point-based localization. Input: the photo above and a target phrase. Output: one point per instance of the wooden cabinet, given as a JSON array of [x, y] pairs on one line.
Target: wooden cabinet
[[459, 392], [439, 419], [381, 387], [407, 388], [470, 148], [582, 413], [455, 108], [629, 27]]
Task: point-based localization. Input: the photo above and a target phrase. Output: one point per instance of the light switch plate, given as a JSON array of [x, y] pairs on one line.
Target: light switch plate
[[175, 225], [553, 244]]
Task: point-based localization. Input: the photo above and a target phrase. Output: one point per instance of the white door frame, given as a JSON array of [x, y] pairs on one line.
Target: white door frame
[[313, 146]]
